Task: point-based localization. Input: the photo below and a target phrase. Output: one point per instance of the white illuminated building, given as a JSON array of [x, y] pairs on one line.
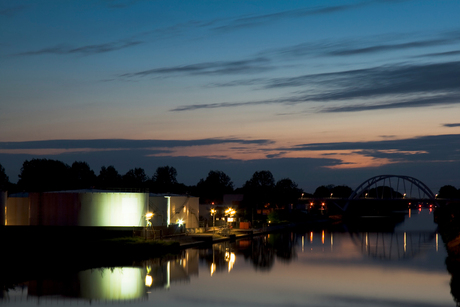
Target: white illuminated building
[[92, 208], [174, 209], [78, 208]]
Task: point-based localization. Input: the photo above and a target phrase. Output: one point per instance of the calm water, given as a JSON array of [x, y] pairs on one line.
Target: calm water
[[405, 267]]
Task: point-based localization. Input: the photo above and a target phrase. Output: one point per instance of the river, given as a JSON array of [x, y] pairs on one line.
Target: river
[[333, 266]]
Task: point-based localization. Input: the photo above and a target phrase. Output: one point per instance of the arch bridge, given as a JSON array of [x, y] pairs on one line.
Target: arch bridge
[[391, 188]]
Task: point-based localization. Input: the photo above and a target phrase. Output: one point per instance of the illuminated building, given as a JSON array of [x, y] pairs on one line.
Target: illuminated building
[[174, 209], [77, 208]]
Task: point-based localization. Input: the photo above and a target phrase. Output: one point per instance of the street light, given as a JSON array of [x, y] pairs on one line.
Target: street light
[[148, 217], [213, 214], [230, 212]]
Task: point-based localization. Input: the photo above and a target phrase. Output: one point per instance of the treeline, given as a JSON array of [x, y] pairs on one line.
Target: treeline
[[39, 175]]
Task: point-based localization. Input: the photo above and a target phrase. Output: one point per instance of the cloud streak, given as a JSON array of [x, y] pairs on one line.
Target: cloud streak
[[257, 20], [452, 125], [83, 50], [124, 144], [11, 11], [422, 143], [369, 46], [254, 65], [403, 86]]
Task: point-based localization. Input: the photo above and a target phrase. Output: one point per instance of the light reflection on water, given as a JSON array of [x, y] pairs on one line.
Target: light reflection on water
[[318, 267]]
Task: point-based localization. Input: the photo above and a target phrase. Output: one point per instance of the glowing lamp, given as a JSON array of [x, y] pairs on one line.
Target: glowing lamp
[[148, 280]]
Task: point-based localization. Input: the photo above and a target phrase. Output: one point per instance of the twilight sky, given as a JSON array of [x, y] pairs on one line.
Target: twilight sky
[[322, 92]]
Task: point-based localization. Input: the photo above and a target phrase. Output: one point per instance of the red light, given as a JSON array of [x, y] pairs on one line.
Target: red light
[[322, 204]]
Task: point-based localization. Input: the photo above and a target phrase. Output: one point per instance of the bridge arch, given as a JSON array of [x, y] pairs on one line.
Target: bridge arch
[[395, 182]]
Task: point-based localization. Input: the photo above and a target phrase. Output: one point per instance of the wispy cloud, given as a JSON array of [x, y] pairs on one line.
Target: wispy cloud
[[244, 82], [124, 144], [9, 11], [395, 46], [404, 103], [254, 65], [83, 50], [257, 20], [452, 125], [401, 86], [430, 143], [368, 45], [440, 54], [118, 4]]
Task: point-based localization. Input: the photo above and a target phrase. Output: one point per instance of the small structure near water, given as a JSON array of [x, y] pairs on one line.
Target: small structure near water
[[99, 208]]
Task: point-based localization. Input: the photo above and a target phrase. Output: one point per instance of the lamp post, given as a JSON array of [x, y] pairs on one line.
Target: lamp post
[[230, 212], [148, 217], [213, 214]]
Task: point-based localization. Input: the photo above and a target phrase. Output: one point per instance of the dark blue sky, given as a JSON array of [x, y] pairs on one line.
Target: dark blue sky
[[323, 92]]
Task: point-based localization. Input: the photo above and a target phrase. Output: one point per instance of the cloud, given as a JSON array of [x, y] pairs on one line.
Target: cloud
[[380, 80], [258, 20], [11, 11], [84, 50], [244, 82], [118, 4], [401, 86], [437, 156], [254, 65], [369, 45], [404, 103], [394, 47], [452, 125], [446, 143], [436, 54], [123, 143]]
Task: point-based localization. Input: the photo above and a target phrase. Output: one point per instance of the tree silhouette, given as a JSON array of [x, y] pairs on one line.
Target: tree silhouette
[[448, 191], [286, 193], [82, 176], [323, 191], [108, 178], [38, 175], [164, 180], [135, 178], [4, 180], [341, 191], [214, 187], [258, 191]]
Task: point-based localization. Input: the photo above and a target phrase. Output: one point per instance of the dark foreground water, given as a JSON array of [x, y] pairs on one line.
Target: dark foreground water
[[324, 267]]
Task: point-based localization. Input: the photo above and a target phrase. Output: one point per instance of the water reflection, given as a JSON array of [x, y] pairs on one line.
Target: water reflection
[[115, 284], [330, 266]]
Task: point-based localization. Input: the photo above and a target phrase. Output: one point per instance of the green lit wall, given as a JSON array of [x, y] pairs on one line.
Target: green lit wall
[[113, 209], [76, 208], [121, 283]]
